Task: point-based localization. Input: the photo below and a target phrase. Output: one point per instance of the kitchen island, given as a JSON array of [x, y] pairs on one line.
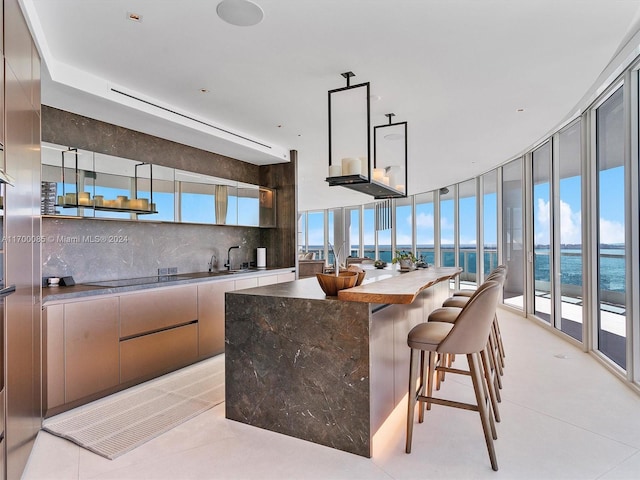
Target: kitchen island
[[329, 370]]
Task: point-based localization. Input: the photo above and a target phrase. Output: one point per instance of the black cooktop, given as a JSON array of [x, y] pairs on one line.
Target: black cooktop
[[130, 282]]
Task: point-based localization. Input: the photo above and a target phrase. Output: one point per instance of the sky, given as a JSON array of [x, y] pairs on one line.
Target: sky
[[611, 207]]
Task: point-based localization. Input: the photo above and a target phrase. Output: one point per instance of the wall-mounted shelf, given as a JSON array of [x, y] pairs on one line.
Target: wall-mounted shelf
[[141, 206], [106, 209]]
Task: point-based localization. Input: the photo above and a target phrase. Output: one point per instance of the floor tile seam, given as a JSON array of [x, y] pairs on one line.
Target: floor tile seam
[[629, 457], [382, 469], [554, 417]]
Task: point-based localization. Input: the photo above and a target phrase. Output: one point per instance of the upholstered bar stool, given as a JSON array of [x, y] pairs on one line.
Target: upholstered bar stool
[[492, 377], [459, 300], [467, 336]]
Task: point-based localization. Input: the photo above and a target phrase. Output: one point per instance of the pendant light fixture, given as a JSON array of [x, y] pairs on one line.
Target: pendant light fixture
[[390, 157], [349, 134], [350, 145]]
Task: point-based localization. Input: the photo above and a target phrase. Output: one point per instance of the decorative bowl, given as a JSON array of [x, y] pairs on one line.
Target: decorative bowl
[[330, 284], [361, 273]]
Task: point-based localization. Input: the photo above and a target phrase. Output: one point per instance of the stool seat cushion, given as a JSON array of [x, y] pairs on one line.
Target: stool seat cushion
[[463, 293], [445, 314], [427, 336], [459, 302]]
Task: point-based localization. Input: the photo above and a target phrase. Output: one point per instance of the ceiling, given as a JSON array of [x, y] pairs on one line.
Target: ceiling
[[458, 71]]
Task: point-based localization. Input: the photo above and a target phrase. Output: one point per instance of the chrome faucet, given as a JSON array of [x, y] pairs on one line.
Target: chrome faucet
[[213, 263], [228, 264]]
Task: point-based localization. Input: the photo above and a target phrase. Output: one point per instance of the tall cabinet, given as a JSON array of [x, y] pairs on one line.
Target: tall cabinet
[[22, 406]]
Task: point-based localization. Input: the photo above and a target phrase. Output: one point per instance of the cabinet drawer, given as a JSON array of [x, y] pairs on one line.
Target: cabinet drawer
[[211, 317], [246, 283], [267, 280], [158, 353], [157, 310], [91, 347], [286, 277]]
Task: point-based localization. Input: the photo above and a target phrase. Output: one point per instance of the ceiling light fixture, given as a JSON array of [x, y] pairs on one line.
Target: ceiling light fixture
[[390, 158], [134, 17], [350, 145], [241, 13]]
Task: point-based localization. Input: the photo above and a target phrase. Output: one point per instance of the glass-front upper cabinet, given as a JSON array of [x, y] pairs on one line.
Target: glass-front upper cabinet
[[80, 183]]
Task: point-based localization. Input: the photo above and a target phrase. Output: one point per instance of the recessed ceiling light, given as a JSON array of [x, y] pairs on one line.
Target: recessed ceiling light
[[204, 90], [520, 110], [134, 17], [241, 13]]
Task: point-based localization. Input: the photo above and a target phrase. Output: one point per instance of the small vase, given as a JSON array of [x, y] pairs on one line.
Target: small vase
[[406, 264]]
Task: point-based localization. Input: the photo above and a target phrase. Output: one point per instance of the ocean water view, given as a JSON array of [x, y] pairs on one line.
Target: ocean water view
[[612, 262]]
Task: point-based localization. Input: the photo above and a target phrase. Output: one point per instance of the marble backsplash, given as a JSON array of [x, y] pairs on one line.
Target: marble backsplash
[[93, 250]]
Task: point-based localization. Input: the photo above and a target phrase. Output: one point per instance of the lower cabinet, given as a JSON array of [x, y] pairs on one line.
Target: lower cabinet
[[82, 349], [91, 347], [211, 317], [103, 344], [156, 353]]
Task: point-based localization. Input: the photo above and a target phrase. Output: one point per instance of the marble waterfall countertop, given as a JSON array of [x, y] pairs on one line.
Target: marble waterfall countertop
[[394, 287], [380, 286], [320, 368]]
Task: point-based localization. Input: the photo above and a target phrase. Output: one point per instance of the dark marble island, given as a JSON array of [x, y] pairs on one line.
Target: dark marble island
[[320, 368]]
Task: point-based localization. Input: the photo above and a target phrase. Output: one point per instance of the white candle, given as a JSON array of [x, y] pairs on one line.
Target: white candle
[[346, 166], [355, 167], [364, 166], [335, 171], [385, 180], [378, 173], [400, 188]]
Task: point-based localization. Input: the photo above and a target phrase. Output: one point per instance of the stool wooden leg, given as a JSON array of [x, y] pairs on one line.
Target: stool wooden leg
[[485, 417], [430, 376], [496, 327], [490, 383], [424, 379], [411, 400], [495, 362]]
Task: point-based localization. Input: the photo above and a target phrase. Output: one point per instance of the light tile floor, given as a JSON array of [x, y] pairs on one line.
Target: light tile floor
[[563, 417]]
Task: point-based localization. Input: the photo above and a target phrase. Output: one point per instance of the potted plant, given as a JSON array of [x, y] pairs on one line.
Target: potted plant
[[379, 264], [407, 260]]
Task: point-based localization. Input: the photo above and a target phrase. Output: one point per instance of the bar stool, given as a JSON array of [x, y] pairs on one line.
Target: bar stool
[[468, 336], [459, 299], [491, 374]]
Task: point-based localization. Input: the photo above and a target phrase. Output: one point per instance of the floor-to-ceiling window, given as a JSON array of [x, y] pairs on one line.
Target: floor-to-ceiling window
[[542, 223], [512, 233], [384, 242], [404, 224], [569, 225], [369, 231], [467, 233], [302, 232], [315, 233], [610, 141], [425, 243], [447, 227], [489, 221], [353, 219], [331, 228]]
